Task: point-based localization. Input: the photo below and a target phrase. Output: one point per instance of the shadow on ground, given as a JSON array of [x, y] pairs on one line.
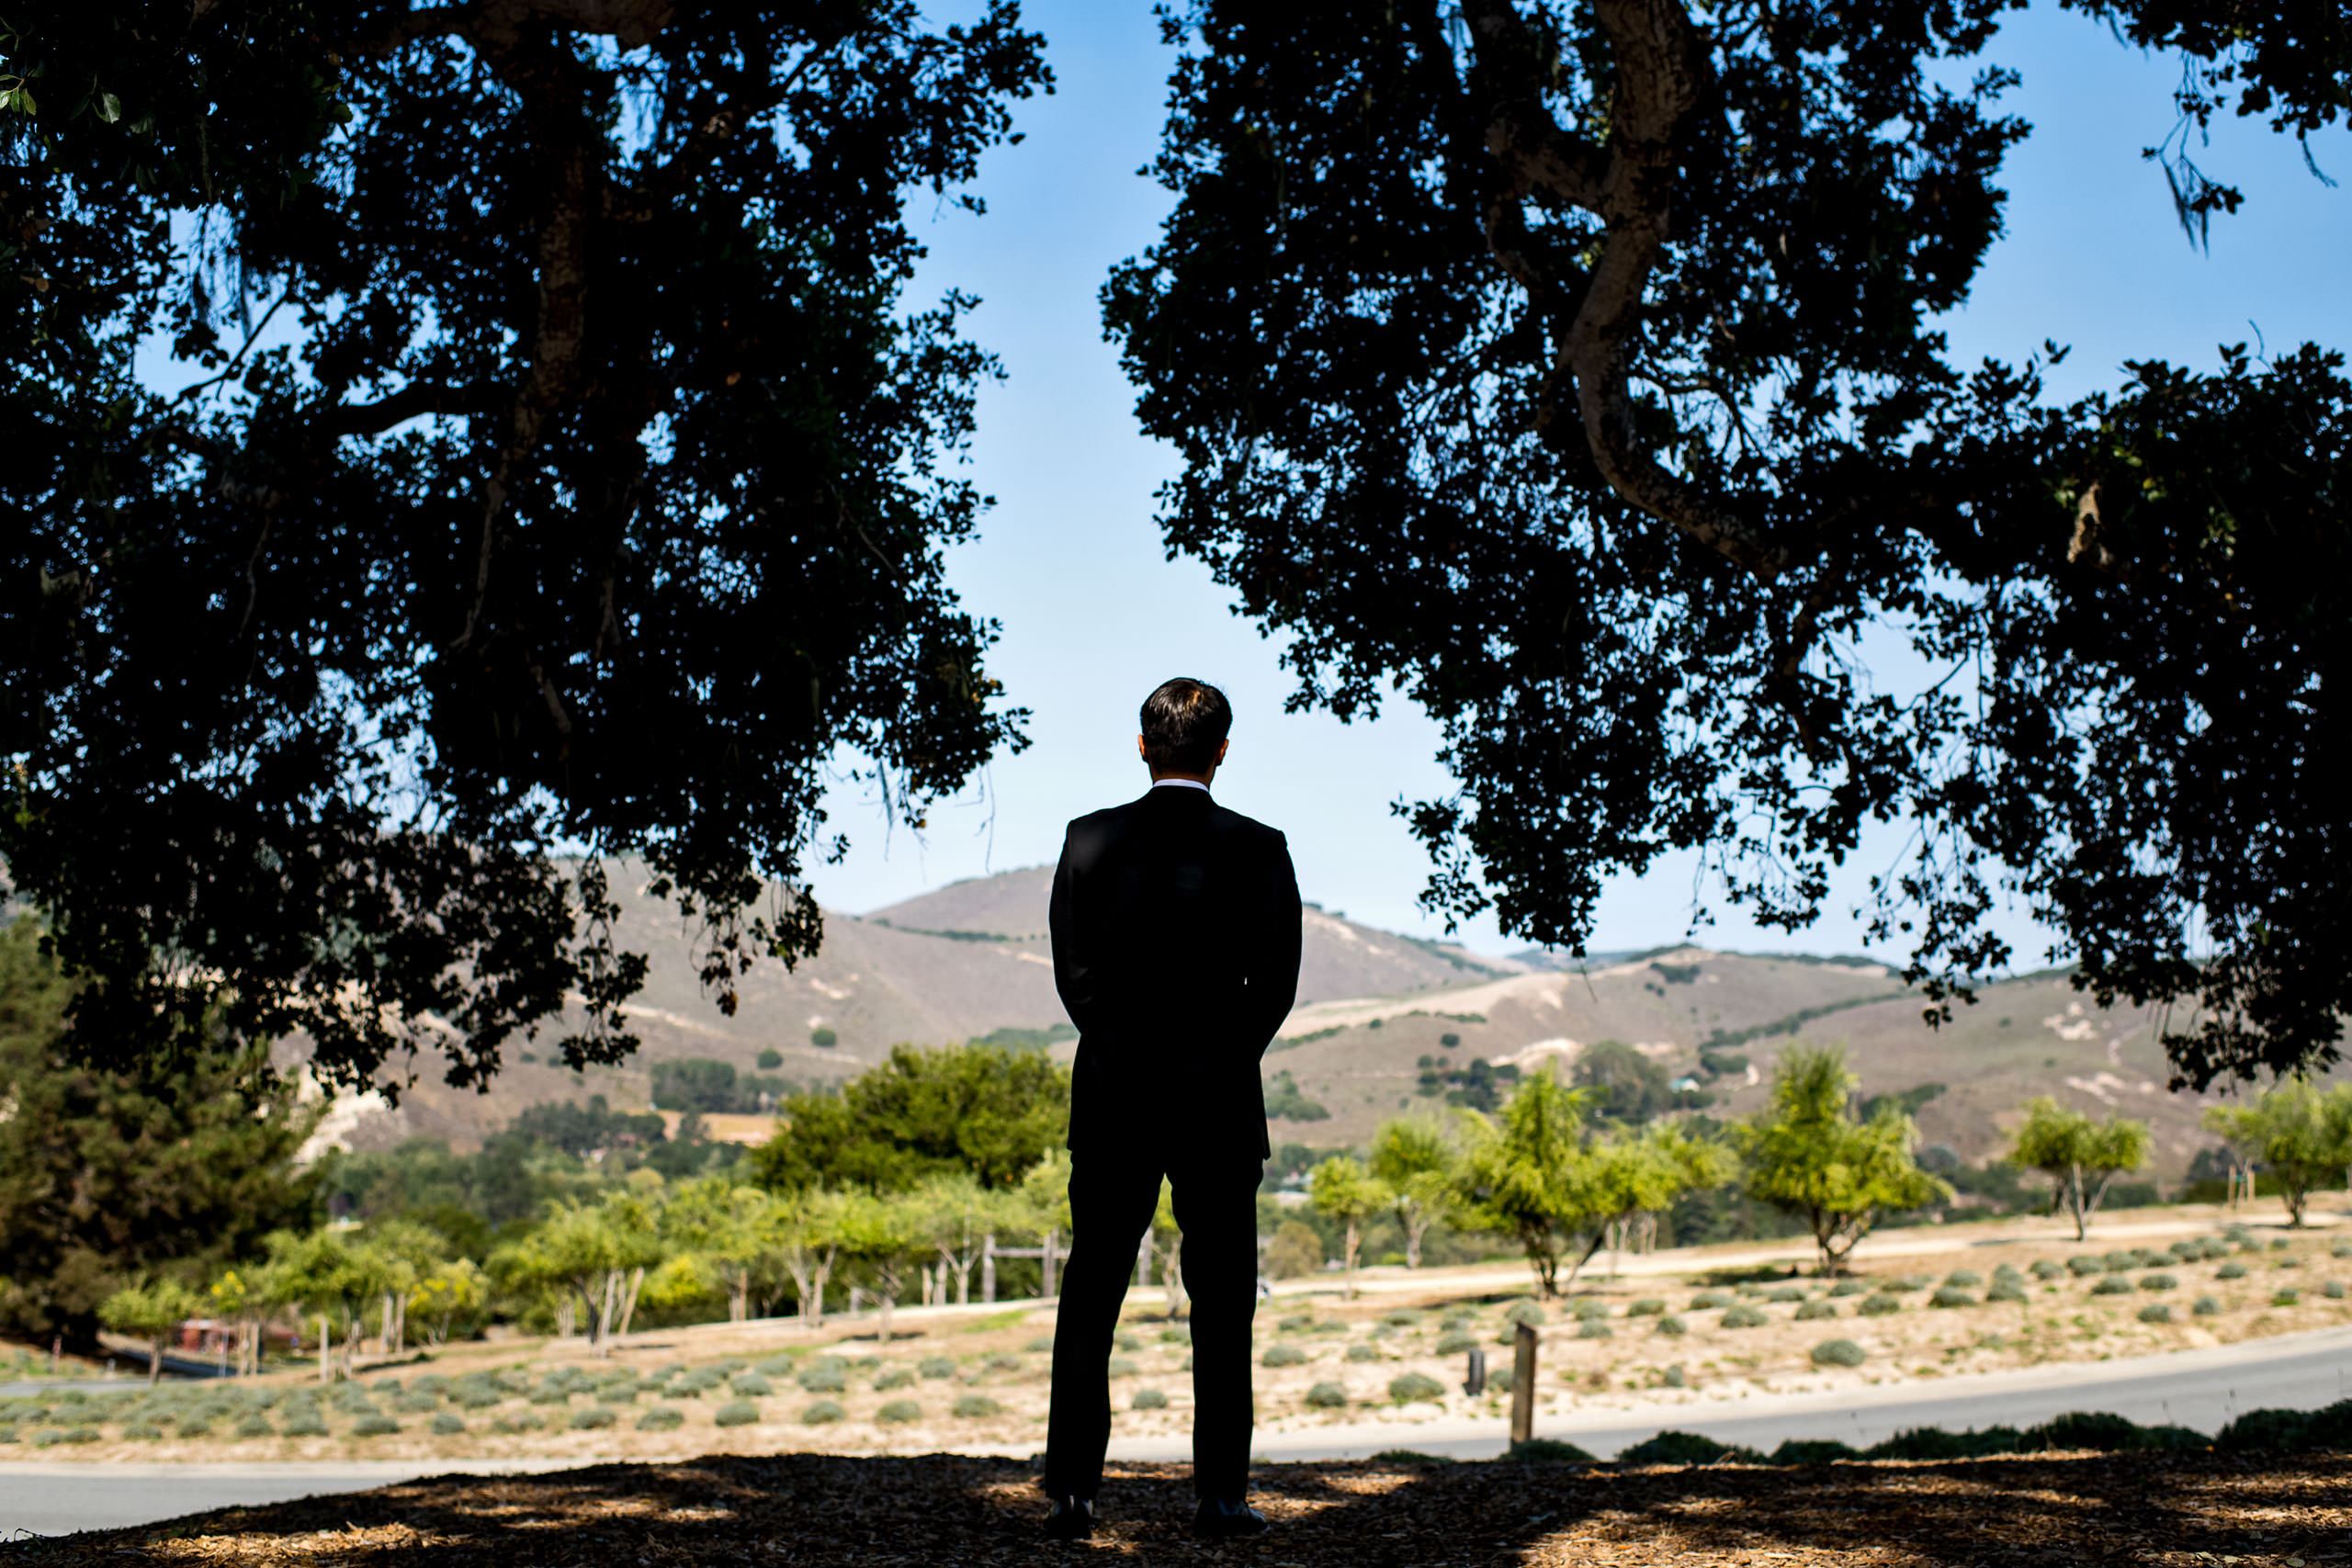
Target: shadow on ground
[[2189, 1511]]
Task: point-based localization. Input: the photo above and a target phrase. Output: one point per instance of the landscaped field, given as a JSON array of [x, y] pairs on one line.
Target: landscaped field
[[978, 1380]]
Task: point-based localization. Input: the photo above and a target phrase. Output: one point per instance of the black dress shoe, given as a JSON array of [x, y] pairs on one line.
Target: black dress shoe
[[1073, 1520], [1220, 1518]]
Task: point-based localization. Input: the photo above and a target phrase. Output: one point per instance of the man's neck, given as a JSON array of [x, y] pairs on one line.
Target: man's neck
[[1182, 781]]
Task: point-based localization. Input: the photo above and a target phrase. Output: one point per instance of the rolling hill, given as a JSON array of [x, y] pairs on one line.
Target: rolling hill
[[972, 958]]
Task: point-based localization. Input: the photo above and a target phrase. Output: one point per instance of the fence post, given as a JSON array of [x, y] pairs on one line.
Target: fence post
[[987, 1269], [1522, 1384], [1047, 1282]]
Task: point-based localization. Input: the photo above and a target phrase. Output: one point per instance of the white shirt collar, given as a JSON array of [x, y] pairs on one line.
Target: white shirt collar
[[1179, 783]]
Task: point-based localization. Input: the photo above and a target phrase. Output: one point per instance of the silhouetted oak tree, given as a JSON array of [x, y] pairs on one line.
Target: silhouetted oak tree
[[1571, 368], [556, 468]]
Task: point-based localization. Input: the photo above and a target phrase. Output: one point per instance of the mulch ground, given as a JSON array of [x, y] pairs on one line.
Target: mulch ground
[[2195, 1511]]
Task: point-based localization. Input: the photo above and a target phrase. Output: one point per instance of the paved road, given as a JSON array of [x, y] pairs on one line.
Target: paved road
[[2204, 1389]]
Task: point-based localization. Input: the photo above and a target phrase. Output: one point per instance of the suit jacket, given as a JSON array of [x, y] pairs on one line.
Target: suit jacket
[[1176, 941]]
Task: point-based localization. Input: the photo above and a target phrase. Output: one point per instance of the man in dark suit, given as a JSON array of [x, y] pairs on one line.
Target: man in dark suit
[[1176, 941]]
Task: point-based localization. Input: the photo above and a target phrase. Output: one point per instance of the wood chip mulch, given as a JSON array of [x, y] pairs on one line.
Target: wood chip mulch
[[2194, 1511]]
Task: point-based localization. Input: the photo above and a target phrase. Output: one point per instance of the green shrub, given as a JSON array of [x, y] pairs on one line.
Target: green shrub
[[1878, 1306], [973, 1406], [304, 1424], [741, 1412], [1369, 1353], [1845, 1288], [1744, 1317], [1649, 1306], [2289, 1431], [1671, 1325], [1000, 1363], [936, 1367], [2106, 1433], [2341, 1250], [1525, 1312], [1401, 1318], [1594, 1329], [1812, 1451], [662, 1418], [1785, 1294], [1933, 1442], [1965, 1279], [2006, 1290], [2333, 1290], [1588, 1307], [2278, 1244], [1907, 1282], [897, 1377], [702, 1379], [449, 1424], [2044, 1269], [1454, 1344], [822, 1380], [2155, 1312], [416, 1403], [1545, 1451], [365, 1427], [1283, 1356], [1296, 1322], [1682, 1448], [1120, 1367], [2290, 1263], [2158, 1282], [1127, 1339], [136, 1432], [2205, 1306], [1839, 1353], [2230, 1271], [1710, 1300], [899, 1411], [776, 1366], [592, 1418], [1328, 1396], [2082, 1268], [1499, 1379], [1147, 1399], [1415, 1386], [1812, 1312], [255, 1427], [2112, 1285], [750, 1385], [2284, 1298], [1041, 1345], [1951, 1296], [2122, 1262], [1410, 1456]]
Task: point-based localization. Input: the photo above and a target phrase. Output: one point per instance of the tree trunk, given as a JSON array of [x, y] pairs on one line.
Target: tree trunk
[[326, 1370], [738, 1291], [1354, 1234], [155, 1360], [628, 1302], [1172, 1276], [888, 1278]]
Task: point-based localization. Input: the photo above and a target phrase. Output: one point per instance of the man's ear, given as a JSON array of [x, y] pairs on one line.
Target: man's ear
[[1142, 751]]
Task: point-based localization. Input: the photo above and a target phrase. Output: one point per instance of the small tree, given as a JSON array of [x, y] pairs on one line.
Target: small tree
[[2080, 1157], [321, 1275], [1616, 1180], [2295, 1132], [883, 1235], [150, 1312], [956, 1216], [1808, 1156], [1411, 1157], [1342, 1189], [1517, 1178]]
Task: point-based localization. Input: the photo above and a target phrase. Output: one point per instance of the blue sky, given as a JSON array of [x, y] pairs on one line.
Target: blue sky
[[1094, 616]]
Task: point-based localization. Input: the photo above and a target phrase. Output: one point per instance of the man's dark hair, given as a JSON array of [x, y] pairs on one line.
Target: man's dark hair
[[1183, 724]]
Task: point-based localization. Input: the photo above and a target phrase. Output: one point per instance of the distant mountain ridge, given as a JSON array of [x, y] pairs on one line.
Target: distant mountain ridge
[[971, 959]]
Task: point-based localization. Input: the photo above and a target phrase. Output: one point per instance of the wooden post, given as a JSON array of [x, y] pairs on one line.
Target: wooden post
[[988, 1267], [1474, 1383], [1522, 1384], [1046, 1283], [326, 1334]]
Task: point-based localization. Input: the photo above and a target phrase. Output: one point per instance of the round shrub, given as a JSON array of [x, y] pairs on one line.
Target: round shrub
[[592, 1418], [2006, 1290], [662, 1418], [1041, 1345], [1744, 1317], [2158, 1282], [1649, 1306], [2043, 1268], [2112, 1285], [1454, 1344], [1296, 1323], [2333, 1290], [750, 1385], [1402, 1317], [1594, 1328], [1000, 1363], [2205, 1306], [2230, 1271], [2084, 1266], [936, 1367], [2277, 1244], [777, 1366], [2290, 1263], [1120, 1367], [1845, 1288], [1366, 1353], [1147, 1399], [1525, 1312], [824, 1413], [899, 1411], [2341, 1250], [449, 1424], [1281, 1356], [2155, 1312], [1965, 1278], [1127, 1339], [897, 1377], [1710, 1300], [822, 1380], [1586, 1306], [416, 1402], [1785, 1294], [1329, 1396], [2286, 1298], [1415, 1386], [1878, 1306], [1671, 1324], [1839, 1353], [973, 1406], [1908, 1282], [1499, 1379], [136, 1432], [2122, 1262], [305, 1424], [365, 1427], [1812, 1312], [1951, 1296]]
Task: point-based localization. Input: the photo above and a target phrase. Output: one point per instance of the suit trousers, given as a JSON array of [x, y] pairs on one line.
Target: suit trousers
[[1113, 1194]]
